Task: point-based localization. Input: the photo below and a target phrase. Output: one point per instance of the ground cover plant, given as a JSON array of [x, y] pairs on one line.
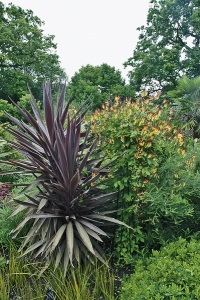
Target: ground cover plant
[[70, 206], [153, 193]]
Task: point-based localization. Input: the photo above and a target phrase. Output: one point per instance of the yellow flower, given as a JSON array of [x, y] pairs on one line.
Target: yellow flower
[[149, 143], [138, 155], [117, 97], [144, 93], [183, 151], [154, 170], [141, 143]]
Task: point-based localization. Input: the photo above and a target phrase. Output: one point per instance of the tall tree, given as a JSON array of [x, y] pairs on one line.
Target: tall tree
[[99, 83], [168, 46], [26, 54]]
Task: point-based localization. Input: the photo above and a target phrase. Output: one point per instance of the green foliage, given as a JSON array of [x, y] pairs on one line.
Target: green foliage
[[7, 152], [98, 83], [6, 106], [168, 46], [85, 282], [20, 278], [24, 102], [187, 93], [27, 55], [171, 273], [151, 176], [186, 99], [69, 206], [8, 224]]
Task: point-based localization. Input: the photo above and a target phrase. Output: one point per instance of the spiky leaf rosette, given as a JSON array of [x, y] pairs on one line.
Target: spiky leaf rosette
[[70, 206]]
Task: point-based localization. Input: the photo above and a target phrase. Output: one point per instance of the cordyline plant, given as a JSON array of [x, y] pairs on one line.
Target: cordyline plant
[[69, 207]]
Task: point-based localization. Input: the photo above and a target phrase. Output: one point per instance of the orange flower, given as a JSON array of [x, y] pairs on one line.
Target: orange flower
[[145, 127], [138, 155], [168, 126], [180, 134], [157, 95], [155, 130], [183, 151], [175, 130]]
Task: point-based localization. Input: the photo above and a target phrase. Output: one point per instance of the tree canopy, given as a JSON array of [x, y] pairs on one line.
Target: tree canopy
[[168, 46], [99, 83], [26, 54]]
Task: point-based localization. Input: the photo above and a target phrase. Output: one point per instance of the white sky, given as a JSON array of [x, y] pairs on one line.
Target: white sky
[[90, 31]]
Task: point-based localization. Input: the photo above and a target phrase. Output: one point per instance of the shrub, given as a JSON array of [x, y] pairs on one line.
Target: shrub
[[6, 106], [149, 136], [24, 102], [7, 224], [171, 273]]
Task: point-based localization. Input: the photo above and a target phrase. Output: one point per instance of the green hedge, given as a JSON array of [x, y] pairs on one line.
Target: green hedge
[[172, 273]]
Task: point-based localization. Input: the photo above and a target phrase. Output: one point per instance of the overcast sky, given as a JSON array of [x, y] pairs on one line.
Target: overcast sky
[[90, 31]]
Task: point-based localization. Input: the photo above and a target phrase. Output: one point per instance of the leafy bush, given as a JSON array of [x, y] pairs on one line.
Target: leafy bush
[[8, 224], [171, 273], [6, 106], [70, 204], [149, 136], [7, 152], [24, 102]]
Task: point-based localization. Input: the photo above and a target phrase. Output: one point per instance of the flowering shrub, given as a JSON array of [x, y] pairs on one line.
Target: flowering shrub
[[148, 136]]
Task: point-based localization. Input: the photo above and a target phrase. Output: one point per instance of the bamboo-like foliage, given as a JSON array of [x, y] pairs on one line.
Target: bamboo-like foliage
[[70, 205]]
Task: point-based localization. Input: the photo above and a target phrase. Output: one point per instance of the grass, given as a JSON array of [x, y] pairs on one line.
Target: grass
[[89, 282], [17, 277], [22, 279]]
